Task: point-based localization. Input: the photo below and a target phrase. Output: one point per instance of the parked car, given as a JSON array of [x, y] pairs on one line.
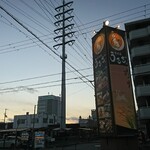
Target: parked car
[[9, 142]]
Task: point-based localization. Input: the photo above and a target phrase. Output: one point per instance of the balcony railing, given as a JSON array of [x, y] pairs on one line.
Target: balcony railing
[[144, 113], [143, 68], [139, 33], [143, 90], [141, 50]]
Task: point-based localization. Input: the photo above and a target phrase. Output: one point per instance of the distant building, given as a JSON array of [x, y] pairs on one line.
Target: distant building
[[34, 120], [90, 122], [6, 125], [48, 113], [93, 114], [138, 37], [49, 104]]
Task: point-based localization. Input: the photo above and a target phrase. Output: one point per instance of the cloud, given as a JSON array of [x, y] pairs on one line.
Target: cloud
[[27, 89], [72, 119], [17, 89], [10, 119]]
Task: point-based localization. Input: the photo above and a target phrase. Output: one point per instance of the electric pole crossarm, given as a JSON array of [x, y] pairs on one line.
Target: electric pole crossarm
[[70, 42], [69, 11], [69, 19], [67, 27], [69, 34], [61, 7]]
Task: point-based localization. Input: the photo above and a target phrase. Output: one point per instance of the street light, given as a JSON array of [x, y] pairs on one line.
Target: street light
[[118, 26], [106, 23]]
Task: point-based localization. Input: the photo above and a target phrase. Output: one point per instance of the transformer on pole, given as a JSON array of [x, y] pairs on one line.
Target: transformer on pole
[[64, 33]]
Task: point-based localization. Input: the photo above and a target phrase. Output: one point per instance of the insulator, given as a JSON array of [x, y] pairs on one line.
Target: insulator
[[61, 7]]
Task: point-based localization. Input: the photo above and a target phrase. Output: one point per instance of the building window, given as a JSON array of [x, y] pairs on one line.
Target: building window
[[44, 120], [143, 60], [35, 120], [21, 121], [50, 120]]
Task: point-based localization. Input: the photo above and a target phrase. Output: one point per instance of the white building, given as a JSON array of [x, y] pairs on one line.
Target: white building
[[34, 120], [48, 113]]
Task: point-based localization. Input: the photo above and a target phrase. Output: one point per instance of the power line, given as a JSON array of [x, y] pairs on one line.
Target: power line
[[28, 30], [42, 83], [43, 8], [79, 54], [52, 5], [35, 21], [34, 10], [113, 15], [118, 18], [38, 77], [29, 37], [37, 38], [84, 54], [124, 16], [23, 88]]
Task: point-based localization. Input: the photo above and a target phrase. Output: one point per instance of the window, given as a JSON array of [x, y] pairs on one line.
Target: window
[[143, 60], [44, 120], [21, 121], [50, 120], [35, 120]]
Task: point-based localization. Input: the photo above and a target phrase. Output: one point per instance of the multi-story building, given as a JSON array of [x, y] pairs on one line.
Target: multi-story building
[[138, 37], [48, 113], [49, 104]]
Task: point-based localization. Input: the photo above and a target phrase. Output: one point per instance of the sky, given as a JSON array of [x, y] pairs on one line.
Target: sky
[[30, 69]]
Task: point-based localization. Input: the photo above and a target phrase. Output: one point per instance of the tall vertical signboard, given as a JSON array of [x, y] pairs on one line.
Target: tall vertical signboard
[[121, 87], [113, 90], [102, 88]]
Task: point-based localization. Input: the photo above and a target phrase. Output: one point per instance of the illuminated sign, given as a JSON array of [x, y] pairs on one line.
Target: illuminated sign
[[102, 91], [113, 89], [39, 140], [121, 88]]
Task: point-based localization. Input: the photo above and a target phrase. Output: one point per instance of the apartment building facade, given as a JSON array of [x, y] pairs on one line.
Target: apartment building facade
[[138, 38]]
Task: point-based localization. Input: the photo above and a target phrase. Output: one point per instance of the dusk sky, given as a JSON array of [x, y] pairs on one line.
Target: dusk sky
[[29, 69]]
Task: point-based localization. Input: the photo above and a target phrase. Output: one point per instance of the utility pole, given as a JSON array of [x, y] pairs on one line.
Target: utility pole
[[34, 117], [32, 133], [5, 115], [65, 34]]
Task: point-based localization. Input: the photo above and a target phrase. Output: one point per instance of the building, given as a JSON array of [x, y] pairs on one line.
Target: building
[[6, 125], [93, 114], [49, 104], [34, 121], [90, 122], [138, 37], [48, 113]]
